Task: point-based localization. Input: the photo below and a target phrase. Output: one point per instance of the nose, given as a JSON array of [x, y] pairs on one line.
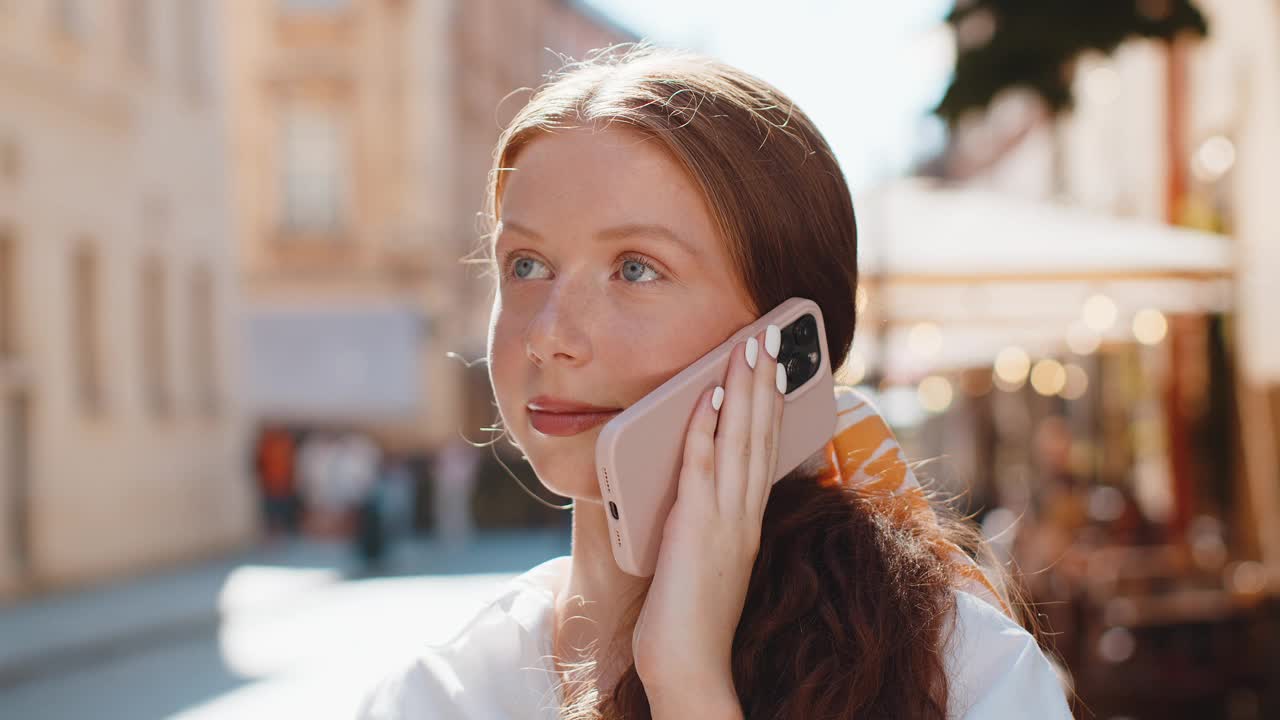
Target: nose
[[556, 334]]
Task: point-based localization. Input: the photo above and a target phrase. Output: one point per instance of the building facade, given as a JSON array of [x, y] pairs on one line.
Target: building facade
[[121, 431], [363, 136]]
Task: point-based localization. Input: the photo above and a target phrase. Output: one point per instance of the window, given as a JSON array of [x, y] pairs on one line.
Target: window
[[137, 31], [312, 170], [70, 18], [314, 5], [8, 296], [155, 366], [190, 34], [85, 338], [203, 343], [10, 161]]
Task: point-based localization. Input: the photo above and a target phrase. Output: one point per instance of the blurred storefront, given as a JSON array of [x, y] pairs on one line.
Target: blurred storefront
[[362, 141], [1074, 325], [120, 414]]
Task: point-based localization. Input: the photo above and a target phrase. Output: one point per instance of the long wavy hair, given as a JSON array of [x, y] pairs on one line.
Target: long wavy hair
[[847, 603]]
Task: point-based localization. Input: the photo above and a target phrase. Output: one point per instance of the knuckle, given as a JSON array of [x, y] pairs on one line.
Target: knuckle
[[766, 443], [707, 463], [696, 447]]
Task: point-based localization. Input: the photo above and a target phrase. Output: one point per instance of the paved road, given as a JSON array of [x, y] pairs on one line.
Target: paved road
[[270, 653]]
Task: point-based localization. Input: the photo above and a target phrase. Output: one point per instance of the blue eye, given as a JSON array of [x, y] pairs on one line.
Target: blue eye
[[521, 267], [634, 267]]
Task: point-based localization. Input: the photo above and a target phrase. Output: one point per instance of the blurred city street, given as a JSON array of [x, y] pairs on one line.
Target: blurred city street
[[250, 448], [298, 630]]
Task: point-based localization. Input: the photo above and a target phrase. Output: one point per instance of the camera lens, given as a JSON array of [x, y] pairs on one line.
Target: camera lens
[[803, 330], [796, 366]]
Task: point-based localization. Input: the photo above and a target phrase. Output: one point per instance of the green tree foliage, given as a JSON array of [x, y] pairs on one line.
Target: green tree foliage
[[1033, 43]]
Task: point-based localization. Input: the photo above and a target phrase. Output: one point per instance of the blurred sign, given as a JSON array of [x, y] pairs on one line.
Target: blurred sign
[[334, 364]]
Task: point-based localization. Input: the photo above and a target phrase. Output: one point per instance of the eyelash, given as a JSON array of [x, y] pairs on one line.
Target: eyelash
[[509, 258]]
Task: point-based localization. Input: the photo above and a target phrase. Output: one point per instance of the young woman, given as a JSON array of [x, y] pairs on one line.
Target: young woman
[[647, 204]]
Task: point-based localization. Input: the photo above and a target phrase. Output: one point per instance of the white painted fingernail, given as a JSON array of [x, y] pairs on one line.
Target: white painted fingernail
[[717, 398], [782, 379], [753, 349], [772, 341]]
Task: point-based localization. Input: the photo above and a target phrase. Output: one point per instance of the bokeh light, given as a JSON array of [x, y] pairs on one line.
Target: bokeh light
[[935, 393], [1012, 366], [925, 339], [1150, 326], [1077, 382], [1214, 158], [1048, 377], [1099, 313]]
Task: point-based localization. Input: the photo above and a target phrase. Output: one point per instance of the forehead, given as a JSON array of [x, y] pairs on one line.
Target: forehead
[[584, 179]]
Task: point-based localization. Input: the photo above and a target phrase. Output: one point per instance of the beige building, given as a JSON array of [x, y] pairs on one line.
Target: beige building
[[1188, 135], [121, 435], [362, 135]]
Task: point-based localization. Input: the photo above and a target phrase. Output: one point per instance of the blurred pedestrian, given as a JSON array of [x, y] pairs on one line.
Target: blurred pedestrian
[[385, 513], [274, 462], [397, 495], [455, 481]]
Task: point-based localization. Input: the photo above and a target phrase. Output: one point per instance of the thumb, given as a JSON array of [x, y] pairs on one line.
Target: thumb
[[635, 632]]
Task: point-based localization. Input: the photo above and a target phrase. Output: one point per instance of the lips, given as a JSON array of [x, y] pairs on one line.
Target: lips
[[558, 417]]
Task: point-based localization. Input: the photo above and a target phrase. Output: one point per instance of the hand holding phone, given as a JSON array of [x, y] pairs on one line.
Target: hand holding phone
[[709, 539], [640, 453]]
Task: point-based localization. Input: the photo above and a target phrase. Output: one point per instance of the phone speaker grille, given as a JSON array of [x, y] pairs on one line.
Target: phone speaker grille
[[605, 474], [619, 535]]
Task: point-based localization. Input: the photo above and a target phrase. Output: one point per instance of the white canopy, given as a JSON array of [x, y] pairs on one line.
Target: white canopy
[[916, 230], [989, 271]]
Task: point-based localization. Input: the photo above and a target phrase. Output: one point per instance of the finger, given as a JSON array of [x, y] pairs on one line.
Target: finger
[[697, 467], [778, 407], [763, 407], [733, 434]]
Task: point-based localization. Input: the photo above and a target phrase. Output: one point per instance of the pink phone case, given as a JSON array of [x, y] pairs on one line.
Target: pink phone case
[[639, 452]]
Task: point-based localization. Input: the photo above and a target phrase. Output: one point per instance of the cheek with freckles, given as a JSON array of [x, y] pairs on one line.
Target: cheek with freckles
[[631, 355]]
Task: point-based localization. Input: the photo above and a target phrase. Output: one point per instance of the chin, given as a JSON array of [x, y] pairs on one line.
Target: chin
[[569, 473]]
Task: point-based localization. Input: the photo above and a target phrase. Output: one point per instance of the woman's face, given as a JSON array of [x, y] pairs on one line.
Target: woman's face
[[613, 278]]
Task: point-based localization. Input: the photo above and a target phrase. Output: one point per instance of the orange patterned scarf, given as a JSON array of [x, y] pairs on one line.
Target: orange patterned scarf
[[865, 455]]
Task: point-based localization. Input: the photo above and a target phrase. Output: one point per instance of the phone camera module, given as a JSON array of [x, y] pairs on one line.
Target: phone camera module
[[797, 366], [804, 330]]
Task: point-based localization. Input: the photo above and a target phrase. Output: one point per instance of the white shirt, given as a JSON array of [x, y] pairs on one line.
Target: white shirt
[[497, 667]]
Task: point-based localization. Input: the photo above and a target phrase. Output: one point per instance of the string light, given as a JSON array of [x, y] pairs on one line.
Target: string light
[[1012, 366], [925, 339], [1048, 377], [935, 393], [1099, 313], [1150, 326]]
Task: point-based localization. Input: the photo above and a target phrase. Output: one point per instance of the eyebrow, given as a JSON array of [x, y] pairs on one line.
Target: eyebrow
[[619, 232]]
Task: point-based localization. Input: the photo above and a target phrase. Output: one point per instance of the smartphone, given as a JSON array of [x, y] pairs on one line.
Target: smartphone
[[639, 452]]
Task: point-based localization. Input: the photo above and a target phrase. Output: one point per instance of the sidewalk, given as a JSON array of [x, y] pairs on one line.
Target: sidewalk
[[58, 633]]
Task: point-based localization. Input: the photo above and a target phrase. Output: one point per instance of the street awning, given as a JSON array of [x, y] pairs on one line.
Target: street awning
[[916, 231], [988, 270]]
